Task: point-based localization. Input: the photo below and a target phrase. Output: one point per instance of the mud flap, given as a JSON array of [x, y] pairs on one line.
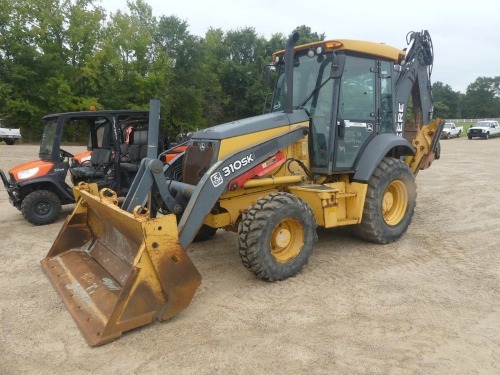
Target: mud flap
[[116, 271]]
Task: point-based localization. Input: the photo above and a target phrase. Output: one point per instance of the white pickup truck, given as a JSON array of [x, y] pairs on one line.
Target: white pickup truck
[[9, 135], [484, 129], [451, 130]]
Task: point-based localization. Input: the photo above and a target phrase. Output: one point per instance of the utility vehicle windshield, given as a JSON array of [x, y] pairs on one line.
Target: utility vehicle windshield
[[49, 133]]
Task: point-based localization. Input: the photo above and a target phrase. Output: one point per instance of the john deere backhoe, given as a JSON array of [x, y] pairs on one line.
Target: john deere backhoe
[[335, 150]]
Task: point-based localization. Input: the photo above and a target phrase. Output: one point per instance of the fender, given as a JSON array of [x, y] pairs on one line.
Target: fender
[[64, 192], [376, 150]]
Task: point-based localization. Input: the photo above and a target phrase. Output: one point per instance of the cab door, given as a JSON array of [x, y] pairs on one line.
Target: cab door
[[356, 120]]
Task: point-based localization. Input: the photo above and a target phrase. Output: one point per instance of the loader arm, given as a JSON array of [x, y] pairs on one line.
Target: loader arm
[[205, 194]]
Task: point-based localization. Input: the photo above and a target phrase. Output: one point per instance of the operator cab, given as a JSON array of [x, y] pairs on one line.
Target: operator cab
[[346, 87]]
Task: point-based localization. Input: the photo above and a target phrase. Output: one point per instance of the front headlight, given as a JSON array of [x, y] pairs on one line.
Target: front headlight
[[27, 173]]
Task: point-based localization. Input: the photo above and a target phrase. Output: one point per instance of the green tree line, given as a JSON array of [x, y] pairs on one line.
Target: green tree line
[[481, 100], [69, 55]]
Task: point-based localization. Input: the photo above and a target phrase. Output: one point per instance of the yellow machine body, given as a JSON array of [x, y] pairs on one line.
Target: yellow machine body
[[118, 268]]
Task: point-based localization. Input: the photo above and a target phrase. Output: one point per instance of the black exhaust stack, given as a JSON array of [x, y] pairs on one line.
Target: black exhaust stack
[[289, 52]]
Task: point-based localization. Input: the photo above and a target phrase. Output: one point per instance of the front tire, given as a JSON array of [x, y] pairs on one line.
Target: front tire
[[276, 236], [41, 207], [390, 202]]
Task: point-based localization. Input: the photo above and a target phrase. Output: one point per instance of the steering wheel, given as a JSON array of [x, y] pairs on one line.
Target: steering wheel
[[65, 154]]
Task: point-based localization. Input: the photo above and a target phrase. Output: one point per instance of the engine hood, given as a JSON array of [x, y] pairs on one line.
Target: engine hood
[[43, 168], [251, 125]]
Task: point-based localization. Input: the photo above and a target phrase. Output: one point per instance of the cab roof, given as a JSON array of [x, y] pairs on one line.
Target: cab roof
[[360, 46]]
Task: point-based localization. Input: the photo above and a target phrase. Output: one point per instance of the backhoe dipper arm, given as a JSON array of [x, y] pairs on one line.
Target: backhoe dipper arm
[[416, 69]]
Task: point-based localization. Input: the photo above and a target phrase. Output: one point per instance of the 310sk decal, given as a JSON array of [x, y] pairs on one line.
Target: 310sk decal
[[217, 178]]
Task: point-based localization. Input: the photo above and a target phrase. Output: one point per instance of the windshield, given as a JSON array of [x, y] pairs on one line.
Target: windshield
[[482, 124], [447, 126], [311, 81], [312, 91], [49, 133]]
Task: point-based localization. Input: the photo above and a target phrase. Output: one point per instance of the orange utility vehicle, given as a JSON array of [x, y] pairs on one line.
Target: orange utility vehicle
[[117, 143]]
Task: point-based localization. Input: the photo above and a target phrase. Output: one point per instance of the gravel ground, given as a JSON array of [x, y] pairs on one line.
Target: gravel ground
[[427, 304]]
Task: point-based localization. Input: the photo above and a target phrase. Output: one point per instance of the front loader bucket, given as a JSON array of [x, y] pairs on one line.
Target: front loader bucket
[[116, 271]]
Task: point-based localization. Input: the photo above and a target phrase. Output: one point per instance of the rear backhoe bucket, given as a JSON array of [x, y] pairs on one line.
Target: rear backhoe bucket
[[116, 271]]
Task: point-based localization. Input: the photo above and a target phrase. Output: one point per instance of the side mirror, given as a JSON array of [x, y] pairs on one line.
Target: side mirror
[[267, 73]]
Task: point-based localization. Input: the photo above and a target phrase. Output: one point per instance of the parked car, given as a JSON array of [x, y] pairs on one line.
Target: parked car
[[484, 129], [451, 130], [9, 135]]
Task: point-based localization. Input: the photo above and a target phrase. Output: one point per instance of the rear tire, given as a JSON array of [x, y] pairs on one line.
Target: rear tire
[[41, 207], [276, 236], [390, 202]]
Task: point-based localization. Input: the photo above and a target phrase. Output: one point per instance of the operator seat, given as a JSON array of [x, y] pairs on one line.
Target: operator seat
[[137, 151], [99, 162]]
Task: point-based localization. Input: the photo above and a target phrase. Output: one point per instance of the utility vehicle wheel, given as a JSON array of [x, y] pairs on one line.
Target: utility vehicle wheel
[[487, 136], [390, 202], [469, 137], [276, 236], [9, 142], [41, 207]]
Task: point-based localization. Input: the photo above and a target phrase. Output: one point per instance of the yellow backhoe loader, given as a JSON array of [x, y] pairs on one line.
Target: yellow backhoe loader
[[335, 150]]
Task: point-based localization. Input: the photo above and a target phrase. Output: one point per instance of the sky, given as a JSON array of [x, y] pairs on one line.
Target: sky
[[466, 37]]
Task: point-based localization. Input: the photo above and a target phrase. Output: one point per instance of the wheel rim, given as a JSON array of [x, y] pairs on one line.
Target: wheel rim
[[395, 202], [287, 240], [42, 208]]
